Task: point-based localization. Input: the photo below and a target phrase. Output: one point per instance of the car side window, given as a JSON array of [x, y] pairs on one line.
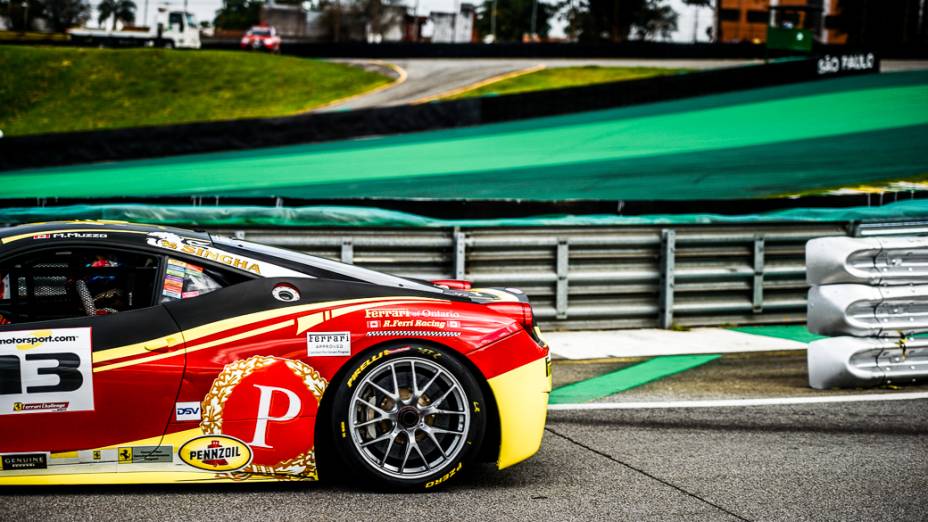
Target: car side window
[[188, 279], [184, 280], [75, 282]]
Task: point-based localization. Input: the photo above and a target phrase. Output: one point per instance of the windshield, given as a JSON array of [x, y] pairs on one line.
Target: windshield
[[342, 269], [260, 32]]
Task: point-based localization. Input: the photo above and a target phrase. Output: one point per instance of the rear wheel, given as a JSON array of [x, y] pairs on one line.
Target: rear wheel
[[410, 417]]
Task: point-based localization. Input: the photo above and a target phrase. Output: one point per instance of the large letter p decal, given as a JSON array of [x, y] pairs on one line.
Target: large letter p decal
[[264, 412]]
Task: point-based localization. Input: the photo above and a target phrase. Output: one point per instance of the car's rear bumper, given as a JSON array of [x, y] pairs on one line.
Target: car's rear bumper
[[522, 401]]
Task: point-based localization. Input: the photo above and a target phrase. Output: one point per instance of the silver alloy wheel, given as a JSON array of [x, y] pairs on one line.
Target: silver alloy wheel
[[409, 418]]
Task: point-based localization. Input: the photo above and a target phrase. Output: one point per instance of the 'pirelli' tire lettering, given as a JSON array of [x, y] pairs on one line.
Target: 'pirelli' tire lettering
[[428, 352], [371, 360], [444, 477]]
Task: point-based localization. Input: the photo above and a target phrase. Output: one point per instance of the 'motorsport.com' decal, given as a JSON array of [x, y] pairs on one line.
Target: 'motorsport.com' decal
[[43, 371]]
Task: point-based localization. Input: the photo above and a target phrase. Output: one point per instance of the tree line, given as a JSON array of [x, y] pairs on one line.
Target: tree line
[[866, 22], [61, 15]]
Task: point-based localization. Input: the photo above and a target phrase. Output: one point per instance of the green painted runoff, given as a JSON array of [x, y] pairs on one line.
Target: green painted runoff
[[793, 332], [627, 378]]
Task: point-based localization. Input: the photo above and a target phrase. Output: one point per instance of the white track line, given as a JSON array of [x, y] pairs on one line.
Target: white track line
[[728, 403], [654, 342]]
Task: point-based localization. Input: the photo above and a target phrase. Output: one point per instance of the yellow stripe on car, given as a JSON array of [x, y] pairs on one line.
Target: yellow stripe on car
[[211, 344], [206, 330]]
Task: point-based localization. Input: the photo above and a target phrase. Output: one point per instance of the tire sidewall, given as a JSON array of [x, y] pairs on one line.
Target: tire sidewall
[[368, 362]]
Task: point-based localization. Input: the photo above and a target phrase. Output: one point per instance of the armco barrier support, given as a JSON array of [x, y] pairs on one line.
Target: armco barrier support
[[148, 142], [872, 293]]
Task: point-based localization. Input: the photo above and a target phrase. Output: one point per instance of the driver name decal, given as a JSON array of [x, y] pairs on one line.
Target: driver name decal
[[45, 371]]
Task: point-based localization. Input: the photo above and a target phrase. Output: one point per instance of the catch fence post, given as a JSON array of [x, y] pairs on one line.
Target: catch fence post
[[562, 270], [667, 261], [347, 254], [757, 300], [459, 254]]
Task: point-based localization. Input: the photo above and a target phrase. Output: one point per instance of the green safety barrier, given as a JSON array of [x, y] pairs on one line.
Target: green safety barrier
[[768, 142], [348, 216]]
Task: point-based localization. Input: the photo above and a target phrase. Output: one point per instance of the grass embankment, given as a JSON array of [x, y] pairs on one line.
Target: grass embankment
[[45, 89], [559, 77]]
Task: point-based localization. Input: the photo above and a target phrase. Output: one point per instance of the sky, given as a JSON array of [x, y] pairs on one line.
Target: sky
[[690, 18]]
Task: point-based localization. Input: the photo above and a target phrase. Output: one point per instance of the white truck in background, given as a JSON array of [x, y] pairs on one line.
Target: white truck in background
[[174, 29]]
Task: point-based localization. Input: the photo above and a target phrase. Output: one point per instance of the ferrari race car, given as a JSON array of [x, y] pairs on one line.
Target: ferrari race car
[[136, 354]]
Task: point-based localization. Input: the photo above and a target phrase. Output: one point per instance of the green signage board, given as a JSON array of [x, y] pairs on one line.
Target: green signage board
[[787, 39]]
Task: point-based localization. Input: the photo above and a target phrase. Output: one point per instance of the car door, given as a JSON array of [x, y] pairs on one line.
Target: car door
[[69, 385]]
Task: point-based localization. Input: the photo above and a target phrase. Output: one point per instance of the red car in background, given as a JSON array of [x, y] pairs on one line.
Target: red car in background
[[261, 38]]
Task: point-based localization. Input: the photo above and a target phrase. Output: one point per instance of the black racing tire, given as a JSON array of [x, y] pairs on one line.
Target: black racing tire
[[372, 431]]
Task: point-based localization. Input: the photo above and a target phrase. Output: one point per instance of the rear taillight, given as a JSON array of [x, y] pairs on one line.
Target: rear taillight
[[452, 284], [521, 312]]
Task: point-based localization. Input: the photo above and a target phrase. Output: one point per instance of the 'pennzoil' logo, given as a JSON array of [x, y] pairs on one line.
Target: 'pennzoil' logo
[[220, 453]]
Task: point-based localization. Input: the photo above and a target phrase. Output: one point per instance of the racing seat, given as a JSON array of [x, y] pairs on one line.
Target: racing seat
[[88, 302]]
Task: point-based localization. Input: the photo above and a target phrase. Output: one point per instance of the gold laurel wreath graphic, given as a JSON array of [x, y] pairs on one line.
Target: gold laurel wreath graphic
[[302, 466]]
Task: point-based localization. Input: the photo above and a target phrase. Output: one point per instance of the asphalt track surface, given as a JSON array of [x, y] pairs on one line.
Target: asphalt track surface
[[844, 461], [431, 77]]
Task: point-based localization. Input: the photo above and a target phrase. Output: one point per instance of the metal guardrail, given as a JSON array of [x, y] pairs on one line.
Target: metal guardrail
[[597, 277], [873, 294]]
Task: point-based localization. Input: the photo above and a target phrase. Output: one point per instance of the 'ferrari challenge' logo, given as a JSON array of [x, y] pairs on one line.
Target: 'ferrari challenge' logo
[[270, 404]]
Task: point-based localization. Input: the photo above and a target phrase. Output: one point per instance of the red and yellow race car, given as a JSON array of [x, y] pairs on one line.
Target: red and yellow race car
[[136, 354]]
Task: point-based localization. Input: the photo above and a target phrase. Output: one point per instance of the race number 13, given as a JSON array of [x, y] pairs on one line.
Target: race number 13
[[45, 371]]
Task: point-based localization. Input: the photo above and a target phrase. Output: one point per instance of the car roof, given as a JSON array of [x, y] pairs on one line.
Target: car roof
[[104, 229], [102, 232]]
